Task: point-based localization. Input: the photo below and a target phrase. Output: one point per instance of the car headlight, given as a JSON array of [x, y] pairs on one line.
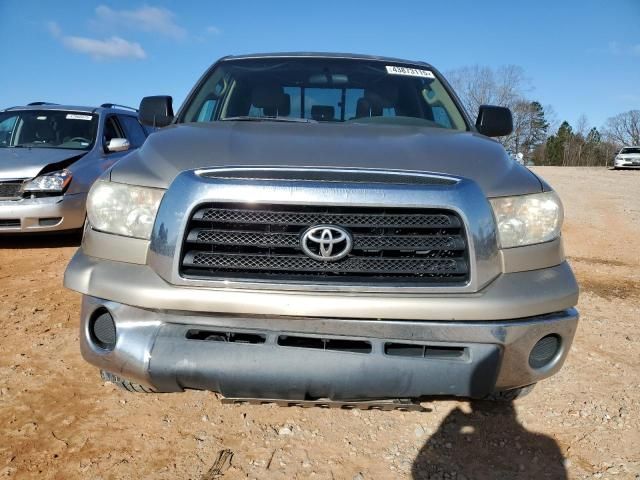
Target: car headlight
[[123, 209], [528, 219], [55, 182]]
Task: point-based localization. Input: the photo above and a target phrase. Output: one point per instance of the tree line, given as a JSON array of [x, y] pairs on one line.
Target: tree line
[[537, 135]]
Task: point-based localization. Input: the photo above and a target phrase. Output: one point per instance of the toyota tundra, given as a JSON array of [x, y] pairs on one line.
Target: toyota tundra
[[324, 228]]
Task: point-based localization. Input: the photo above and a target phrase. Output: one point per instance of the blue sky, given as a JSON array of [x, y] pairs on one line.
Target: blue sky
[[582, 56]]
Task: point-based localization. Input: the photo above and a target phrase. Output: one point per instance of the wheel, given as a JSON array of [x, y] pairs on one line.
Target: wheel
[[510, 395], [124, 384]]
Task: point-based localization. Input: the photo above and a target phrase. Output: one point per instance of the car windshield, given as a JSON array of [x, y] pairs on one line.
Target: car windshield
[[630, 150], [323, 90], [48, 129]]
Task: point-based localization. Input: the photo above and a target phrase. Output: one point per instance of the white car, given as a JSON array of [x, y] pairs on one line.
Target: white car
[[628, 157]]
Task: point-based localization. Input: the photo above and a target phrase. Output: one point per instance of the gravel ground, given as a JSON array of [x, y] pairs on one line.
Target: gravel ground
[[58, 420]]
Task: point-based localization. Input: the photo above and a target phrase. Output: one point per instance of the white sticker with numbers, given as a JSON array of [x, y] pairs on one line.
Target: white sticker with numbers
[[410, 72], [75, 116]]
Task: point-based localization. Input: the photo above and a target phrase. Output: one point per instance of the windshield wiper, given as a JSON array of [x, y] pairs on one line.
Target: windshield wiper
[[268, 119]]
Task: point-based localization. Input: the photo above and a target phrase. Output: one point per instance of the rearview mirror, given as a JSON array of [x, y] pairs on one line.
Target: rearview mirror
[[156, 111], [118, 145], [494, 121]]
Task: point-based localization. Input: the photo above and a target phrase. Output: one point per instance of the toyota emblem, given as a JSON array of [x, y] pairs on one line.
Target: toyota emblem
[[326, 242]]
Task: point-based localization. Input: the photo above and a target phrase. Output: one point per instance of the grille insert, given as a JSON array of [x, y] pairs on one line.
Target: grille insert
[[316, 343], [425, 351], [224, 215], [10, 223], [414, 246], [226, 337], [303, 263], [10, 190]]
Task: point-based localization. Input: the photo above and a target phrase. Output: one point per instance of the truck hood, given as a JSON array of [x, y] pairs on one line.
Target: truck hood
[[28, 162], [222, 144]]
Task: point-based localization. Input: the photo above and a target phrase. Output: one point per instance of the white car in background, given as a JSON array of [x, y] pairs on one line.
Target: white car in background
[[628, 157]]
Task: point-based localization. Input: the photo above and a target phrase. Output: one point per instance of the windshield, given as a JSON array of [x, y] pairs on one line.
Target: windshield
[[323, 90], [630, 150], [47, 129]]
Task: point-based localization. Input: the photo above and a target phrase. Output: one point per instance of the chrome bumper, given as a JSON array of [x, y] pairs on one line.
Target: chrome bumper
[[153, 348], [47, 214]]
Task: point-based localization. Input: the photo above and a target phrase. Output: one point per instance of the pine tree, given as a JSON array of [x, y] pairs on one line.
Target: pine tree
[[557, 145], [594, 137], [539, 125]]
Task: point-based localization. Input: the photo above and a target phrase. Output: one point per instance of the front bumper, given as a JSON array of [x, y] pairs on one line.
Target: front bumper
[[511, 295], [48, 214], [471, 359], [627, 163]]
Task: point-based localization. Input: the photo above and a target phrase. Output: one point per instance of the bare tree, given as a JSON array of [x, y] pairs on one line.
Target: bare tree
[[624, 129], [506, 86], [479, 85]]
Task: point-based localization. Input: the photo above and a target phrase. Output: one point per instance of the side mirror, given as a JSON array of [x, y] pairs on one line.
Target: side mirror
[[156, 111], [118, 145], [494, 121]]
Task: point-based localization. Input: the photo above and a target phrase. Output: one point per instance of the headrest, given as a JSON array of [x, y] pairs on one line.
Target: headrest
[[364, 108], [384, 95], [266, 96], [323, 113], [283, 109]]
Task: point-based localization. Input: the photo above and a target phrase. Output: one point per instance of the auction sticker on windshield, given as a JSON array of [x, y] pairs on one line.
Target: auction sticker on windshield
[[410, 72], [75, 116]]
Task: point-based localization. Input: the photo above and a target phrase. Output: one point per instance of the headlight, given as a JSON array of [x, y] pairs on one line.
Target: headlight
[[55, 182], [123, 209], [528, 219]]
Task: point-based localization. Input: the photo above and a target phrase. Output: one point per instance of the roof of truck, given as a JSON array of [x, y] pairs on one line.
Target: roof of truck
[[72, 108], [353, 56]]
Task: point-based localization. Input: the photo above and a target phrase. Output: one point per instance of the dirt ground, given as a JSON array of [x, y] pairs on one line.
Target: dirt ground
[[58, 420]]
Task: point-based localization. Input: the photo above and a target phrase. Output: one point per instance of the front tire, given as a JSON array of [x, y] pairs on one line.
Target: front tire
[[510, 395], [123, 383]]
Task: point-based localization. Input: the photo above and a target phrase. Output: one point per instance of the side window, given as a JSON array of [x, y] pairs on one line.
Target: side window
[[295, 94], [207, 111], [323, 104], [6, 129], [112, 130], [441, 117], [134, 131], [352, 96]]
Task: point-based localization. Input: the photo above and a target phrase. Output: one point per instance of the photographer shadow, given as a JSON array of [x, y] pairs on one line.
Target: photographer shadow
[[484, 439], [488, 442]]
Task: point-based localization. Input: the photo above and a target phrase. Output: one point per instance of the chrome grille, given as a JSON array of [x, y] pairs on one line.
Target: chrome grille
[[410, 245]]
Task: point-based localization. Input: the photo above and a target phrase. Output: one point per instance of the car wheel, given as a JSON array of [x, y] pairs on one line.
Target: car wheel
[[124, 384], [510, 395]]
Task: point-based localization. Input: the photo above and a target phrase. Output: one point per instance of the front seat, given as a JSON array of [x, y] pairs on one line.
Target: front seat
[[271, 99], [375, 100]]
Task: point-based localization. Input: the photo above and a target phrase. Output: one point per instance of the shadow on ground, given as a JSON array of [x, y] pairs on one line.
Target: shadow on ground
[[488, 442], [40, 240]]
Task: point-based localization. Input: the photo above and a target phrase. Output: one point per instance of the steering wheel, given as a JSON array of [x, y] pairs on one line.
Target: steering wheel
[[79, 139]]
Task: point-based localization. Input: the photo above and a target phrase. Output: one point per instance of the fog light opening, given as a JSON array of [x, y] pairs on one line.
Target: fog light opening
[[102, 329], [49, 222], [545, 351]]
